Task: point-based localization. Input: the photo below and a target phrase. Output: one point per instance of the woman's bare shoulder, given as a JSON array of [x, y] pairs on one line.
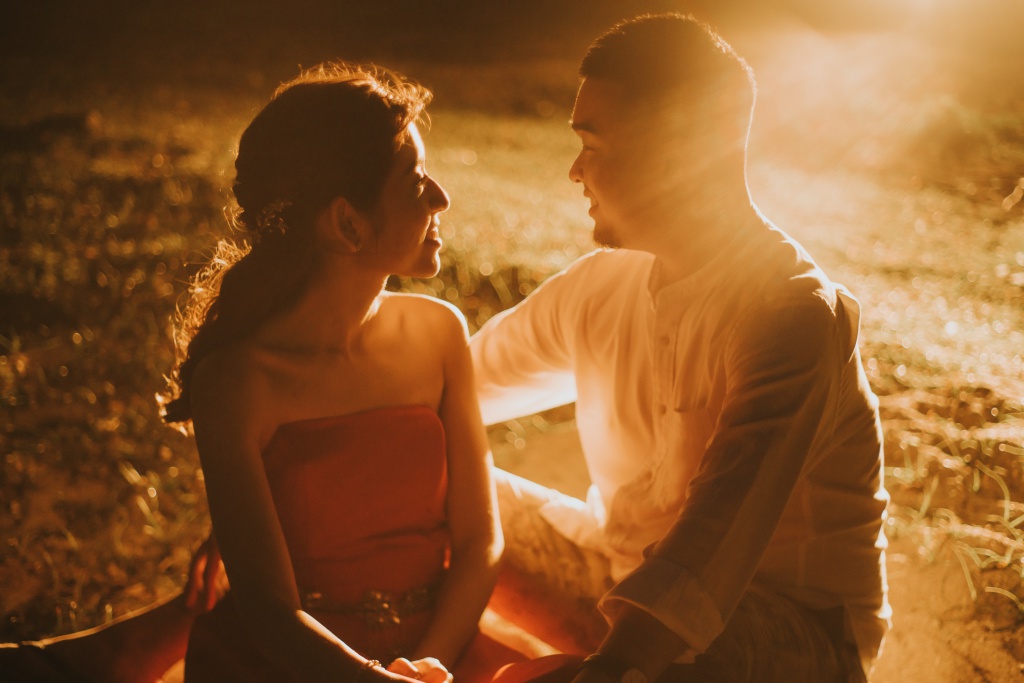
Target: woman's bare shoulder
[[426, 312]]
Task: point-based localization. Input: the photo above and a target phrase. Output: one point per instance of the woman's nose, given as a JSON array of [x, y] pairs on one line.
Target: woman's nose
[[439, 199]]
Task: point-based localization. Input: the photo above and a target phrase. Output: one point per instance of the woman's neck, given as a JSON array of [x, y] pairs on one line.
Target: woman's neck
[[333, 314]]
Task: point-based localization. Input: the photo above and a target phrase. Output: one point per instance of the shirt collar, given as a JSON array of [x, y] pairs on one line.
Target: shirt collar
[[719, 267]]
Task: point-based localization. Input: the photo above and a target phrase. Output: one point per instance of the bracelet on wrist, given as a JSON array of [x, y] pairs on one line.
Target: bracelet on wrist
[[368, 665]]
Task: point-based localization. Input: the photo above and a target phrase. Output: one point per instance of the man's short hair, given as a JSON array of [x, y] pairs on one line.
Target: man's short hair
[[655, 58]]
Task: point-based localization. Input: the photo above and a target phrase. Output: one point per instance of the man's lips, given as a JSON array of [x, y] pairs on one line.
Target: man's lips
[[593, 202]]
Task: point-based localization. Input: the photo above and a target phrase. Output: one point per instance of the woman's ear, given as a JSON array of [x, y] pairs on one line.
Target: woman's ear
[[343, 227]]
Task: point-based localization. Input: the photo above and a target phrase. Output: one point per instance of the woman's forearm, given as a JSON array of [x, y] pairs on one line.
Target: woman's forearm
[[299, 643], [464, 593]]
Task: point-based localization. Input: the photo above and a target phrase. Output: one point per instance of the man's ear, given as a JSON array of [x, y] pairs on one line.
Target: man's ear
[[344, 227]]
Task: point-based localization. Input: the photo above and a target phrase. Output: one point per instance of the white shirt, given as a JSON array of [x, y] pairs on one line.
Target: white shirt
[[726, 422]]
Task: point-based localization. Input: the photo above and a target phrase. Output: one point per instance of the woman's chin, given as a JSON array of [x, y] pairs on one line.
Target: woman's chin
[[424, 271]]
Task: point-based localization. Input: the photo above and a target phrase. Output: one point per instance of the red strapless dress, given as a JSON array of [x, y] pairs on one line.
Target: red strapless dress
[[361, 501]]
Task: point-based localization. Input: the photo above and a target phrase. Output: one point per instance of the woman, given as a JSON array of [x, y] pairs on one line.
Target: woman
[[336, 423], [346, 466]]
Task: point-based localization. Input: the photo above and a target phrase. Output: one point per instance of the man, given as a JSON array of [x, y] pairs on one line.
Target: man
[[726, 421]]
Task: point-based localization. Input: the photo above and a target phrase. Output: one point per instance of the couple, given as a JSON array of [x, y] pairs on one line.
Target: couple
[[733, 530]]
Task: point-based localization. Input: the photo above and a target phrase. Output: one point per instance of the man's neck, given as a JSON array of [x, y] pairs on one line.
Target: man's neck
[[697, 238]]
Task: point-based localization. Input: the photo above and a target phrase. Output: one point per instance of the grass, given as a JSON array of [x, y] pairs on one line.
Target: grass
[[956, 475], [88, 279]]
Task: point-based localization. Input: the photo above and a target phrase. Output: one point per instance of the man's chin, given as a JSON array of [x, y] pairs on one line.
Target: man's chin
[[606, 239]]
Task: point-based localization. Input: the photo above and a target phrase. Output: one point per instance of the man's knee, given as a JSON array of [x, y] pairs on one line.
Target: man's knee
[[537, 551], [547, 584]]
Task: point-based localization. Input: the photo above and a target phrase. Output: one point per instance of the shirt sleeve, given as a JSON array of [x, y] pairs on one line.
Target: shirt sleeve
[[782, 368], [522, 357]]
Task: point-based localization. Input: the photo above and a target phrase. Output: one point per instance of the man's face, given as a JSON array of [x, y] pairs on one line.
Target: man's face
[[617, 166]]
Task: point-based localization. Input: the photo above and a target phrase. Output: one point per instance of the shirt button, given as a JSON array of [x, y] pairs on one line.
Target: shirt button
[[662, 409], [664, 341]]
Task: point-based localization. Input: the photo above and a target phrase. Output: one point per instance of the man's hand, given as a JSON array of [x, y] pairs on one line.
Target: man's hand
[[639, 641], [207, 580], [591, 675]]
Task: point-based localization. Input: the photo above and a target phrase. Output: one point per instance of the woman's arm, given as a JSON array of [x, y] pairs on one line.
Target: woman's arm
[[229, 419], [472, 510]]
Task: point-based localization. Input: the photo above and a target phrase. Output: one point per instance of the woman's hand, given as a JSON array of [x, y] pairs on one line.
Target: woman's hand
[[428, 670]]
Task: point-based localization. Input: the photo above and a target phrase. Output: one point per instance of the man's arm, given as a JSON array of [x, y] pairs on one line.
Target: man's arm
[[782, 369], [522, 357]]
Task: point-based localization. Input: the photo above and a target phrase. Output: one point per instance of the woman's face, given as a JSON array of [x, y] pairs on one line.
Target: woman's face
[[407, 215]]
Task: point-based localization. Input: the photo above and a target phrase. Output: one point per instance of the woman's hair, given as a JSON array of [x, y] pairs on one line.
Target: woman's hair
[[331, 132]]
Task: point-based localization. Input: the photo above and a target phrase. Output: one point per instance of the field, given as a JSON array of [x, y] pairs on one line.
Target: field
[[894, 154]]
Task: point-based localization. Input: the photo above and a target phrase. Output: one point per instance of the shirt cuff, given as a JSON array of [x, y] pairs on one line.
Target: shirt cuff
[[673, 596], [579, 521]]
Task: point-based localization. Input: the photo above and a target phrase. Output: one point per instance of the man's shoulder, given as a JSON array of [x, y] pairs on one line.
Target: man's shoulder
[[597, 289], [605, 261], [781, 290], [787, 273], [605, 273]]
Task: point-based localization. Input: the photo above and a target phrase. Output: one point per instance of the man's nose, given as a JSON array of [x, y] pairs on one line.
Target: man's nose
[[576, 170]]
